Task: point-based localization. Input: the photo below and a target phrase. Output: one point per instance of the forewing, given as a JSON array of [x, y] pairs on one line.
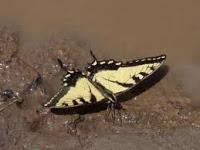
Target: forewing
[[77, 90], [118, 77]]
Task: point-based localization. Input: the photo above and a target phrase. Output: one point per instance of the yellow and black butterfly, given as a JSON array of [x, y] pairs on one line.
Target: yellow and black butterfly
[[103, 81]]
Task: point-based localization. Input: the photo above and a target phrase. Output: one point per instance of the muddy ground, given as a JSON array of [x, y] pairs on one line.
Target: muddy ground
[[157, 113]]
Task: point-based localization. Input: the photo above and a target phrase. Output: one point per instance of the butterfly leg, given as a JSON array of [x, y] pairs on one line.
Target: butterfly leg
[[72, 125], [112, 107], [112, 103], [115, 112]]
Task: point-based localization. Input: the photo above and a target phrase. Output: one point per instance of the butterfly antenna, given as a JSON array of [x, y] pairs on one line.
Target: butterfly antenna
[[92, 54]]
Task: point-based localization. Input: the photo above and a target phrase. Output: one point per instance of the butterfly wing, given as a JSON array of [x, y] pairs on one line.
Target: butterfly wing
[[77, 90], [118, 77]]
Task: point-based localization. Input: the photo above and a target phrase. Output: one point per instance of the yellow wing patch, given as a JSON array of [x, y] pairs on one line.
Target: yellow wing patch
[[114, 80], [84, 92]]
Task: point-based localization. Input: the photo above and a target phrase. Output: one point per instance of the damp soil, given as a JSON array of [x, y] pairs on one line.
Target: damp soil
[[155, 115]]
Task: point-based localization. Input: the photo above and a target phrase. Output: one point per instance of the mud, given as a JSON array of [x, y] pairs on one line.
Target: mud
[[157, 113]]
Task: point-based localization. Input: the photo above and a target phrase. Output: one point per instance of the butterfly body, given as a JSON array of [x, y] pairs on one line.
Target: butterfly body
[[103, 81]]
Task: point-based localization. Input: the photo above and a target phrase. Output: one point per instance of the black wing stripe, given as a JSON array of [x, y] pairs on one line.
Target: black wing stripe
[[83, 101], [122, 84], [136, 79], [144, 74], [93, 99], [75, 102], [152, 68], [148, 60], [65, 104]]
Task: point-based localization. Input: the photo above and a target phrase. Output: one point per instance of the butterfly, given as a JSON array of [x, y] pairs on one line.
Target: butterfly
[[103, 81]]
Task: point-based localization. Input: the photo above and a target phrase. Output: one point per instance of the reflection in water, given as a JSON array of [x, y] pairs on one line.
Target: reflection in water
[[129, 29]]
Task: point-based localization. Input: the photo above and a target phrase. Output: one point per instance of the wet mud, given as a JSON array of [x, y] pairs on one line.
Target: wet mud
[[157, 114]]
